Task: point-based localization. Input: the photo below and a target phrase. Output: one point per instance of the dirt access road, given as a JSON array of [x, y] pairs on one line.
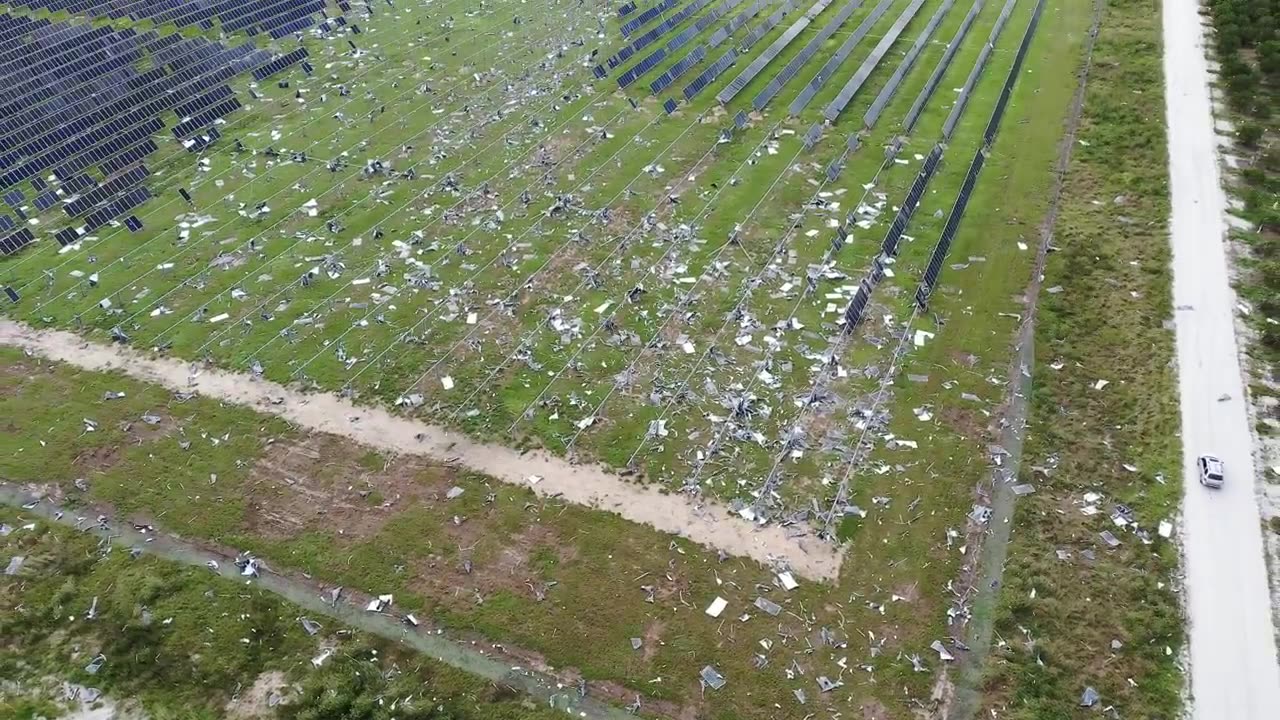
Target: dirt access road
[[703, 521], [1234, 670]]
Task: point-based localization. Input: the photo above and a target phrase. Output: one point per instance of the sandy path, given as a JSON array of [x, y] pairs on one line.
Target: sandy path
[[1234, 672], [708, 523]]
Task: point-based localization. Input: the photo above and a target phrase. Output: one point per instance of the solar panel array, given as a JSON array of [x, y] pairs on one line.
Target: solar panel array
[[674, 72], [790, 69], [962, 99], [908, 62], [775, 48], [737, 22], [851, 88], [80, 97], [769, 23], [993, 125], [15, 242], [647, 16], [933, 270], [675, 43], [669, 24], [889, 246], [935, 77], [712, 72], [829, 68], [275, 17]]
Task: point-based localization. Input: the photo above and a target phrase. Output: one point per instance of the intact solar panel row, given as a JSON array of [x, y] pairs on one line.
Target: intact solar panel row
[[669, 24], [643, 18], [759, 31], [109, 148], [802, 58], [674, 72], [38, 89], [78, 183], [186, 109], [105, 191], [933, 270], [931, 85], [763, 59], [66, 236], [232, 14], [908, 61], [37, 57], [957, 109], [54, 41], [205, 118], [89, 62], [270, 19], [109, 113], [641, 68], [737, 22], [851, 88], [891, 238], [993, 125], [716, 13], [682, 38], [164, 88], [293, 26], [962, 100], [833, 63], [15, 242], [857, 306], [16, 26], [709, 75], [133, 199], [278, 64]]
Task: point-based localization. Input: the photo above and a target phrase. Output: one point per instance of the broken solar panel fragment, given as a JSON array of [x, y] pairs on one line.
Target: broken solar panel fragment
[[6, 223], [14, 198], [133, 223], [11, 294], [44, 201]]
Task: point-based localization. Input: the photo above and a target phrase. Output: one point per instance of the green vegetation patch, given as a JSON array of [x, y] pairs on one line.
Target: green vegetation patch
[[1103, 436], [180, 642]]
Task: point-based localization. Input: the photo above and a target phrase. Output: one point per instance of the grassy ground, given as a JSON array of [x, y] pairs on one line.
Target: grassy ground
[[1095, 616], [181, 642]]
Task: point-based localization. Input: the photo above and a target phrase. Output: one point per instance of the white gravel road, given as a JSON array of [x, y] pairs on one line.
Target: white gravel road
[[1234, 670]]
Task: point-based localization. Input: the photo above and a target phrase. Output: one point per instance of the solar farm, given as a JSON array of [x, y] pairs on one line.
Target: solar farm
[[755, 269]]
